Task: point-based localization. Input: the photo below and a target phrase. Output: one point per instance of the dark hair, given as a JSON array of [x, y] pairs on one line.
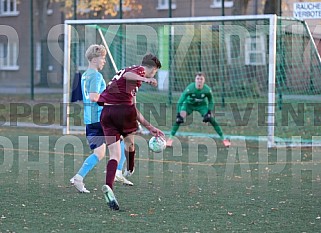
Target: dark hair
[[150, 60], [200, 74]]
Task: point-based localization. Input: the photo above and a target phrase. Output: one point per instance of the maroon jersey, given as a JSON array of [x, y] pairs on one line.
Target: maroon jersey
[[119, 90]]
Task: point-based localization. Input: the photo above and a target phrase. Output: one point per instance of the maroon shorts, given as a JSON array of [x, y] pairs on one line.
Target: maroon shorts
[[118, 120]]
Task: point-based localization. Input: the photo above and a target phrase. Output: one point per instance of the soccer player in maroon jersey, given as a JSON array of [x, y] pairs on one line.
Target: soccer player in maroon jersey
[[119, 117]]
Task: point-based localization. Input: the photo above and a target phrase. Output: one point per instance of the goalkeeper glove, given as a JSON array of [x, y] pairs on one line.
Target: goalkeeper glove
[[207, 117], [179, 119]]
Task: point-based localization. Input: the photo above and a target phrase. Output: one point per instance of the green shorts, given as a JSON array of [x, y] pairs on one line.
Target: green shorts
[[189, 108]]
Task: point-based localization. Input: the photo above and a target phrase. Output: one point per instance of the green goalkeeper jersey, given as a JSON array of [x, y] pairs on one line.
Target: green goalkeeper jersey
[[196, 97]]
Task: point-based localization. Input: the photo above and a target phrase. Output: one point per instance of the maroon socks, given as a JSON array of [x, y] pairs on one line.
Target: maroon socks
[[131, 160], [111, 172]]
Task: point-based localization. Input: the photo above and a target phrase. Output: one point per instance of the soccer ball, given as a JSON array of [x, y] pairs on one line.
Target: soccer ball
[[157, 144]]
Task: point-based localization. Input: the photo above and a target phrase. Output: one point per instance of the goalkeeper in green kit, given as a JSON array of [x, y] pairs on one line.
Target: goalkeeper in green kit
[[197, 96]]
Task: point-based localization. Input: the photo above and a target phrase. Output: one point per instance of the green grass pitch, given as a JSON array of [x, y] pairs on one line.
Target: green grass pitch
[[196, 187]]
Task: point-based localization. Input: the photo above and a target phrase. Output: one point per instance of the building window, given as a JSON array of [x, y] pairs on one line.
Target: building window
[[218, 3], [8, 8], [164, 4], [255, 50], [8, 56]]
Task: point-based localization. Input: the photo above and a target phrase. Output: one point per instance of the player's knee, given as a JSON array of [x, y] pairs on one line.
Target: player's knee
[[100, 151]]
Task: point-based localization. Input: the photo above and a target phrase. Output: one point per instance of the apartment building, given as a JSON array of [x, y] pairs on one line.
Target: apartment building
[[15, 43]]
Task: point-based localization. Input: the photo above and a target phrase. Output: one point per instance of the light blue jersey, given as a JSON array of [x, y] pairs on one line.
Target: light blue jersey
[[92, 82]]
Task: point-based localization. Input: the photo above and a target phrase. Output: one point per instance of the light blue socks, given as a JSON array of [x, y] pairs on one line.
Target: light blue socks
[[88, 164], [92, 160], [122, 157]]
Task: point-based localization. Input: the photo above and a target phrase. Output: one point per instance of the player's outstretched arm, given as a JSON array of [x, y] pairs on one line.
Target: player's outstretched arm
[[153, 130], [135, 77]]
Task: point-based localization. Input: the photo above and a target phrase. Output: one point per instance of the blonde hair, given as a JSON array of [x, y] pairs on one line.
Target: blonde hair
[[95, 50]]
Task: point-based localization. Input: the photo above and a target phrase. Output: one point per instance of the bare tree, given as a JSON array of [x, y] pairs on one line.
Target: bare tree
[[240, 7], [271, 7]]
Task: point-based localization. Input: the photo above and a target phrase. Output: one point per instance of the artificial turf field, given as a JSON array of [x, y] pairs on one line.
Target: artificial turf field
[[196, 186]]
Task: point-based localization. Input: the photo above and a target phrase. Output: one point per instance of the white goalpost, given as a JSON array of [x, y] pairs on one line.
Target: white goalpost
[[271, 88], [264, 71]]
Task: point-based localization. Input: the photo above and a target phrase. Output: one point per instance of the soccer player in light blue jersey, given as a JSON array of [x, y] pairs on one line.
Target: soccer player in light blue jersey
[[92, 84]]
